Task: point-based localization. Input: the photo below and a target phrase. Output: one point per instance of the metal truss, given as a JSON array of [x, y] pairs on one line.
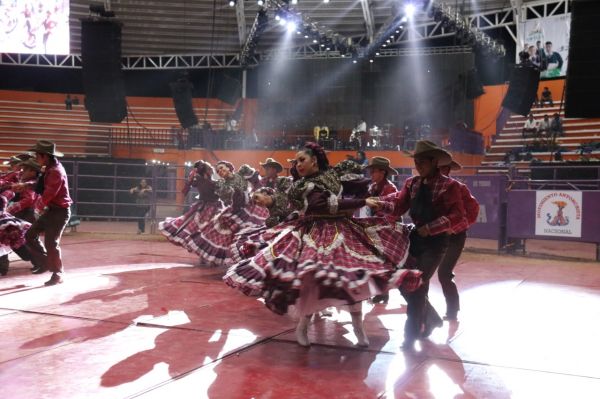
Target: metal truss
[[197, 61], [369, 19], [505, 18], [315, 52]]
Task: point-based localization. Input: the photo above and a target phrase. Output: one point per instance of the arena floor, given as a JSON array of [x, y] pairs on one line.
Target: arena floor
[[136, 319]]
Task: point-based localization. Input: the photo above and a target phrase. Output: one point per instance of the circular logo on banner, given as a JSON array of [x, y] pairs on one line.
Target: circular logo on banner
[[558, 213]]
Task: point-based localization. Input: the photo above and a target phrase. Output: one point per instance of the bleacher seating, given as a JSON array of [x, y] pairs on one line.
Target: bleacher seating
[[576, 132], [23, 122]]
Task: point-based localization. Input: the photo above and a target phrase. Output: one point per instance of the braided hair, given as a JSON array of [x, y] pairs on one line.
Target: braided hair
[[317, 151]]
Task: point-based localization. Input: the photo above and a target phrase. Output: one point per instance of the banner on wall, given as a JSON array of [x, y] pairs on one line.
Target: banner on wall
[[558, 213], [552, 59]]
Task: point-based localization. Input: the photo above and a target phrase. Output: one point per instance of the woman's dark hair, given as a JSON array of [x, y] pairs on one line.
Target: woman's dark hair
[[202, 167], [265, 190], [317, 151], [294, 172], [227, 164]]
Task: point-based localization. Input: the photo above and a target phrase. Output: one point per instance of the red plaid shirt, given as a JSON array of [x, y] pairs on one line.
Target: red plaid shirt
[[26, 200], [471, 207], [7, 179], [446, 200], [387, 188], [56, 188]]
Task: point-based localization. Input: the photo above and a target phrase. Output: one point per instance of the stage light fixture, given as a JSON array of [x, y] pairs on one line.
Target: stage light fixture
[[325, 1], [231, 3], [294, 1], [260, 2], [291, 26], [410, 10]]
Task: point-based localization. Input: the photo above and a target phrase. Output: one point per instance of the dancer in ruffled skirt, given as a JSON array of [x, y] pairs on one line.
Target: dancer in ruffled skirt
[[326, 257], [180, 230], [212, 243], [12, 233]]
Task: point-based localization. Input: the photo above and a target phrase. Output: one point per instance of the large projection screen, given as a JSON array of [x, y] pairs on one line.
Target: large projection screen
[[34, 27]]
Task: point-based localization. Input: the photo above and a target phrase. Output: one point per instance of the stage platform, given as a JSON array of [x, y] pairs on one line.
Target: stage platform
[[136, 318]]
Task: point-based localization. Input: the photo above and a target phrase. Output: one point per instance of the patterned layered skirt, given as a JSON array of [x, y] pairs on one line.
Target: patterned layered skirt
[[12, 231], [212, 243], [316, 262], [197, 217]]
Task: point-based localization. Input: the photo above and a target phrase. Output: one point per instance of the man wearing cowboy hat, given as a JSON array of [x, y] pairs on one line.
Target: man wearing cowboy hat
[[456, 243], [54, 209], [21, 206], [12, 176], [272, 169], [379, 170], [435, 207]]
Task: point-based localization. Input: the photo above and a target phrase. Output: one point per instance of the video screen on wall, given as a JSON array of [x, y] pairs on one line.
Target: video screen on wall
[[34, 27], [547, 42]]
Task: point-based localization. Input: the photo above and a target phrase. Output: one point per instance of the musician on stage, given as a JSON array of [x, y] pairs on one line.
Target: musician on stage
[[358, 134]]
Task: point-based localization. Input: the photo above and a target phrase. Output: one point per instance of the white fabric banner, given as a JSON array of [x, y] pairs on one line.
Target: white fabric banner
[[558, 213], [555, 29]]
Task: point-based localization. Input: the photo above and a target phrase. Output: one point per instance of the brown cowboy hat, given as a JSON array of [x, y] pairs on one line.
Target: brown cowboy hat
[[32, 164], [46, 147], [381, 163], [429, 148], [455, 165], [16, 159], [273, 163]]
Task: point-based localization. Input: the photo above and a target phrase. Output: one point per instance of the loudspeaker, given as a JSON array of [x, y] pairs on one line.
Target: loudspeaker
[[103, 81], [583, 82], [181, 90], [230, 90], [522, 89], [474, 87]]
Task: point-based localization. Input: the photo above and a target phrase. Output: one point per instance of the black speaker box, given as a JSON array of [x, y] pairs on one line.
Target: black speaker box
[[181, 90], [522, 89], [230, 90], [583, 82], [103, 81], [474, 87]]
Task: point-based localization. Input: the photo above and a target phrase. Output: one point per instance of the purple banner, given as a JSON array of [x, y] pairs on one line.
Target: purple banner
[[521, 216], [490, 192]]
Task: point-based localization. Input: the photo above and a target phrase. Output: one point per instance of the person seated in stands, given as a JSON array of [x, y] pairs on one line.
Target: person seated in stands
[[68, 102], [531, 126], [546, 97], [556, 126], [544, 126]]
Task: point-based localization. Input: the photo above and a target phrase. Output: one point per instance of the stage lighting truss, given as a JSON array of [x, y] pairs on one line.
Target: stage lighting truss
[[450, 20], [258, 27], [320, 38]]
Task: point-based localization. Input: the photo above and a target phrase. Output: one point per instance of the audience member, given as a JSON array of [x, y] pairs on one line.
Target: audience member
[[546, 97], [142, 194], [556, 126], [531, 127], [68, 102], [544, 126]]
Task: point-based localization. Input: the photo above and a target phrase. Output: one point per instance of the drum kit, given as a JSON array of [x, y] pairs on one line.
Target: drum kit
[[374, 138]]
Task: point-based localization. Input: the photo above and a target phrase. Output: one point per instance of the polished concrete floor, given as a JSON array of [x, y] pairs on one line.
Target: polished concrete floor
[[136, 319]]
